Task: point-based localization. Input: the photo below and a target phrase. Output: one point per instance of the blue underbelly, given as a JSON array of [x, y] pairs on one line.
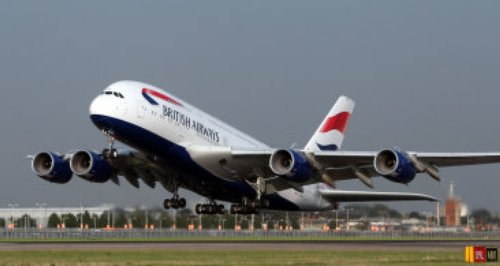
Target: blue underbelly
[[192, 176]]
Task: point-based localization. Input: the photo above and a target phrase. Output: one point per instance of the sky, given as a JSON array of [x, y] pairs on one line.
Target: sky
[[424, 74]]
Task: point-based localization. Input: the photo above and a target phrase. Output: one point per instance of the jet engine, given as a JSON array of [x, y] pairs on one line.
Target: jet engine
[[91, 166], [51, 167], [290, 165], [395, 166]]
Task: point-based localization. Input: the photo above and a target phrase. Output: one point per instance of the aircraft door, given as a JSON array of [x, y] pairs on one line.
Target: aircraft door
[[141, 109]]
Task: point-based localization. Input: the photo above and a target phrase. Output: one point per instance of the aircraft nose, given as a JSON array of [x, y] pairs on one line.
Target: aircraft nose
[[99, 111], [99, 106], [94, 106]]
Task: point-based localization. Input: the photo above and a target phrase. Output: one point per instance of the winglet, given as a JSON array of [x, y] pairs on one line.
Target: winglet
[[330, 134]]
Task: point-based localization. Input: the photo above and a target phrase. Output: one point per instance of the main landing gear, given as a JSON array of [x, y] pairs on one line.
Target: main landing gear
[[174, 203], [249, 206], [210, 208]]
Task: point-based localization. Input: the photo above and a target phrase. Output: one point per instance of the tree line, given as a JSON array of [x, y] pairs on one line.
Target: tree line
[[160, 218]]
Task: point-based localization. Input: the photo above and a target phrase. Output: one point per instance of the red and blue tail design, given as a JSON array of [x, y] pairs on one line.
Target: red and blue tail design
[[330, 134]]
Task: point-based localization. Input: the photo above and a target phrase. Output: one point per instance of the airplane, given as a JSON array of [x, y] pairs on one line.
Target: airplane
[[179, 146]]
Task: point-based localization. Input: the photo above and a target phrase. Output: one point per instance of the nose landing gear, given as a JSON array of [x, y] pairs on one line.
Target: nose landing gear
[[109, 152]]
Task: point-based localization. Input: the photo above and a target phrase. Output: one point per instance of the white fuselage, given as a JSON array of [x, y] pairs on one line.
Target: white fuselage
[[181, 124]]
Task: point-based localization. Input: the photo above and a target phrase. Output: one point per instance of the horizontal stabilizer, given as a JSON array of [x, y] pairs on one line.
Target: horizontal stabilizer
[[359, 196]]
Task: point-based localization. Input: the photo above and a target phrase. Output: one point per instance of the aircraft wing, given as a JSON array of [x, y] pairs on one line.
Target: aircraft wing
[[342, 165], [134, 165], [457, 159], [343, 158], [330, 166], [233, 163], [334, 195]]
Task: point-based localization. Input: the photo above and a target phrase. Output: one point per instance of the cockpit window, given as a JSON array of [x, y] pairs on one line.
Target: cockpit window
[[116, 94]]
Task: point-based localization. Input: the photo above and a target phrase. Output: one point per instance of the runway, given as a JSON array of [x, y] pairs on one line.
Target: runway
[[240, 246]]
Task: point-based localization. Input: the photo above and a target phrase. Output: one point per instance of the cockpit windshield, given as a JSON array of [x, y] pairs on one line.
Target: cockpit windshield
[[113, 93]]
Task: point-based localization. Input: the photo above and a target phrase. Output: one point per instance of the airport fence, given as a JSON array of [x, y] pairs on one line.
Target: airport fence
[[181, 234]]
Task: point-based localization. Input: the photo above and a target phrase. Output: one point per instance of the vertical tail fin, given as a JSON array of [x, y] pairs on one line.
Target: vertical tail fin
[[330, 134]]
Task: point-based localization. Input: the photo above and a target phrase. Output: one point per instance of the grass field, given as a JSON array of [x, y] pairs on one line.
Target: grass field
[[163, 257]]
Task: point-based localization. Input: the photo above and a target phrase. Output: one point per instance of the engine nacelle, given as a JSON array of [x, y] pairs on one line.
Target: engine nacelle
[[395, 166], [290, 165], [91, 166], [51, 167]]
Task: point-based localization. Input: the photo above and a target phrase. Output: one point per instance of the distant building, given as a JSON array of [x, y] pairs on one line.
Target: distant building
[[453, 208]]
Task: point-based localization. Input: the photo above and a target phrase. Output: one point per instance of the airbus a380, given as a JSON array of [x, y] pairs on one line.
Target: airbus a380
[[179, 146]]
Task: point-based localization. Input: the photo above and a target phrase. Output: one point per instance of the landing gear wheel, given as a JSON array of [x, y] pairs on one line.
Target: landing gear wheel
[[210, 208], [248, 206], [232, 209], [167, 204], [182, 203], [106, 152], [174, 203], [109, 153]]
